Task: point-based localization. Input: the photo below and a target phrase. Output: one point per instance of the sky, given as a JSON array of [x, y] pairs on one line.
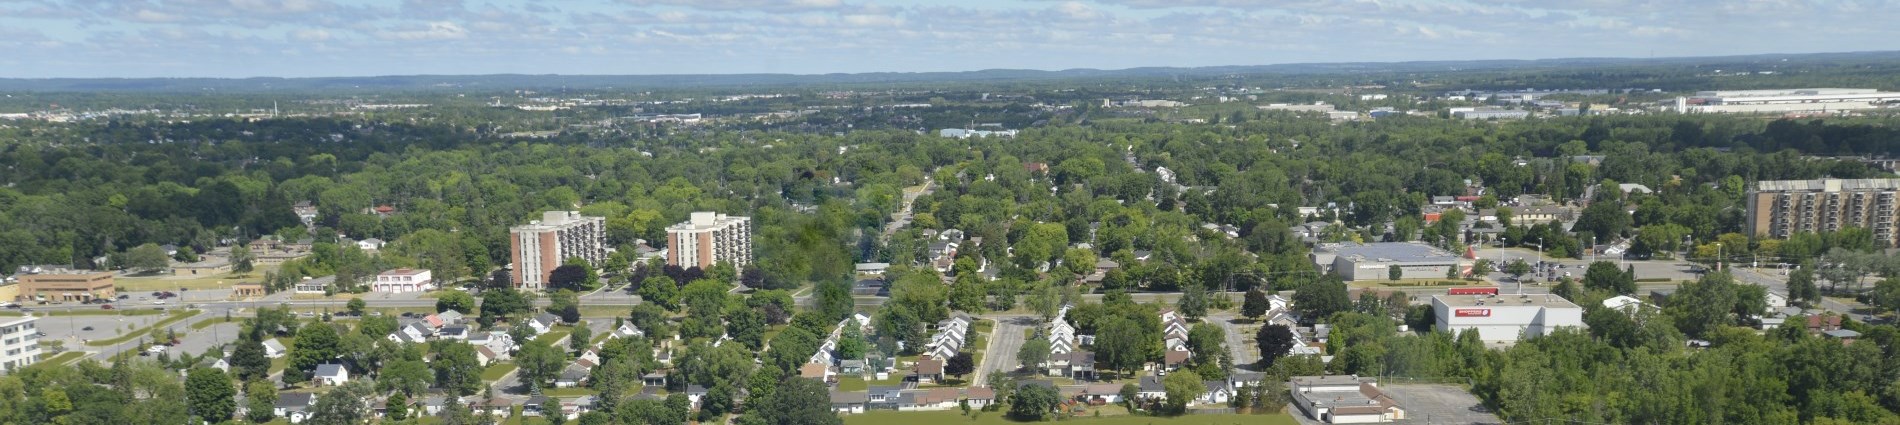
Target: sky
[[318, 38]]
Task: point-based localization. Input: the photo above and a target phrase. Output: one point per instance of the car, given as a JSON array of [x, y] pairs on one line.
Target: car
[[106, 307], [156, 293], [88, 328], [158, 302], [124, 296], [13, 305]]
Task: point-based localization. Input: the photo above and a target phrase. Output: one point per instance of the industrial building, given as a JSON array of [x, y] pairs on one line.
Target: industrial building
[[1781, 208], [1343, 400], [22, 343], [1374, 261], [1505, 318], [1782, 101], [540, 246], [1489, 114], [709, 238]]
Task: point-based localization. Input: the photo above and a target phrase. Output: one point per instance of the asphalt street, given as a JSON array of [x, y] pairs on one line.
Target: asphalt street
[[1005, 340]]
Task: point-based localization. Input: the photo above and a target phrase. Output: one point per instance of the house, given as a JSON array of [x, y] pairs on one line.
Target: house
[[370, 245], [882, 397], [1078, 364], [543, 323], [928, 370], [498, 407], [485, 355], [330, 374], [1174, 359], [1847, 336], [1101, 393], [1151, 389], [450, 317], [1218, 392], [848, 402], [453, 332], [694, 393], [978, 397], [571, 377], [432, 405], [851, 367], [1244, 379], [414, 333], [1343, 399], [943, 398], [294, 406], [403, 281], [1776, 301], [1823, 323], [274, 349], [626, 330], [589, 358], [653, 380]]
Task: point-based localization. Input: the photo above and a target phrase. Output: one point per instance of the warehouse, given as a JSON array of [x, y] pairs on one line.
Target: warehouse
[[1374, 261], [1506, 318]]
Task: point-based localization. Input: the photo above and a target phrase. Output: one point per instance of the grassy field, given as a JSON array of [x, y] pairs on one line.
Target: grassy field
[[62, 358], [214, 321], [996, 418], [554, 336], [568, 392], [168, 321], [853, 383], [166, 282], [494, 372]]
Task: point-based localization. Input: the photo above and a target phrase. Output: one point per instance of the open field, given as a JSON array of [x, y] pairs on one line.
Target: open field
[[62, 358], [997, 418], [494, 372], [166, 282]]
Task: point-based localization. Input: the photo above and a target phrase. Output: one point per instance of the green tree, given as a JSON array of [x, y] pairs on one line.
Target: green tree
[[1801, 287], [704, 297], [1033, 353], [458, 301], [147, 258], [356, 306], [396, 407], [241, 259], [315, 344], [404, 376], [539, 363], [1394, 272], [1517, 268], [799, 401], [661, 291], [1182, 386], [1318, 300], [344, 405], [566, 304], [1193, 302], [248, 361], [210, 394], [260, 398], [1033, 402], [456, 367], [504, 303], [580, 338], [1604, 276]]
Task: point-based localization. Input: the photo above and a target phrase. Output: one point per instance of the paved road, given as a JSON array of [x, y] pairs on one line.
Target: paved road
[[1240, 341], [1005, 340]]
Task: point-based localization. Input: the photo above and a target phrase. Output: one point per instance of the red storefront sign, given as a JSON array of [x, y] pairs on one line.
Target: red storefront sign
[[1472, 312]]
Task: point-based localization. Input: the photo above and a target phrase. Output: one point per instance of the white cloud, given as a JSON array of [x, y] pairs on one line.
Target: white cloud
[[435, 31]]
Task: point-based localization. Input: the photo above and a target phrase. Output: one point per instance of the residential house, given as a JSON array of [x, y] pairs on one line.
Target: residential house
[[979, 397], [1151, 389], [370, 245], [848, 402], [1218, 392], [1101, 393], [274, 348], [486, 356], [330, 374], [882, 397], [571, 377], [453, 332], [414, 332], [1078, 364], [851, 367], [695, 393], [653, 380], [928, 370], [942, 398], [543, 323], [294, 407], [815, 371], [627, 330]]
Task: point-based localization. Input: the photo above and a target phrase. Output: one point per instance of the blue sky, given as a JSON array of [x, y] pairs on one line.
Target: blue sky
[[308, 38]]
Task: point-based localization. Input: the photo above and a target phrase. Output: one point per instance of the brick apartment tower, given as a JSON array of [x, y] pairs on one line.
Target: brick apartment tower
[[709, 238], [1780, 208], [539, 246]]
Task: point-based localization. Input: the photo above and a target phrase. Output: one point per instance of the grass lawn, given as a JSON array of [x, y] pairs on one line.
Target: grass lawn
[[62, 358], [554, 336], [167, 282], [278, 364], [213, 321], [997, 418], [494, 372], [853, 383], [168, 321], [99, 312]]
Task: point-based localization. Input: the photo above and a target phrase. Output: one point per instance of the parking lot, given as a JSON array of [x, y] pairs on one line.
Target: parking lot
[[1440, 404], [71, 328]]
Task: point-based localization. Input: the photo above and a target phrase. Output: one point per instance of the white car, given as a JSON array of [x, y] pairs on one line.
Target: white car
[[156, 349], [158, 302]]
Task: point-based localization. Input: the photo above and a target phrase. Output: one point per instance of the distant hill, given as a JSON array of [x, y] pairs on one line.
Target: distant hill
[[514, 81]]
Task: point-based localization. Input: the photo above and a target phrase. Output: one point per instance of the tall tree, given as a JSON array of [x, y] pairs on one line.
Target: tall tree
[[1033, 353], [1033, 402], [315, 344], [1318, 300], [210, 394], [248, 360], [1275, 341], [343, 405], [959, 365], [799, 401], [1182, 386], [260, 400], [1255, 304]]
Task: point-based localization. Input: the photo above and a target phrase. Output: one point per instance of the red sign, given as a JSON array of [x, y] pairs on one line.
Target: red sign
[[1472, 312]]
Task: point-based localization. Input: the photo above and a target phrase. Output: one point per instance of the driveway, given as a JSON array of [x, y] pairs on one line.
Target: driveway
[[1240, 340]]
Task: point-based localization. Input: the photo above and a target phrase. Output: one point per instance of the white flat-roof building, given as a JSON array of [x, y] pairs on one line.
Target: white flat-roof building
[[1784, 100], [21, 347], [1346, 399], [1505, 318], [1374, 261]]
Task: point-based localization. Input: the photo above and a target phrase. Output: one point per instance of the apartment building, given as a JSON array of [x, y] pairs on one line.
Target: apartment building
[[1781, 208], [19, 343], [709, 238], [540, 246]]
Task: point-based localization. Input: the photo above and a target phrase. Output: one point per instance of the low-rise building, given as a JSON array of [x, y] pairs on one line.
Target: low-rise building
[[1343, 399], [1505, 318], [64, 284], [1374, 261], [403, 280]]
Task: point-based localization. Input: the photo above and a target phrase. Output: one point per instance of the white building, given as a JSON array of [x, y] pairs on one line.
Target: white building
[[1782, 101], [1374, 261], [22, 343], [403, 280], [709, 238], [1505, 318], [540, 246], [1343, 400]]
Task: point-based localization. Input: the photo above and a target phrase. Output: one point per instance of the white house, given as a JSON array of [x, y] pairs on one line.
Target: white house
[[1218, 392], [543, 323], [627, 330], [294, 406], [274, 349], [370, 245], [331, 374]]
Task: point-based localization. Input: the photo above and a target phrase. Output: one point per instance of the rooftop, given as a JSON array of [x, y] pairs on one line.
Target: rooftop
[[1389, 251], [1505, 300], [1827, 185]]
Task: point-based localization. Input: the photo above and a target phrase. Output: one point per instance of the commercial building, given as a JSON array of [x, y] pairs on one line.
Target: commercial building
[[1782, 101], [1505, 318], [1489, 114], [1374, 261], [403, 280], [1343, 400], [40, 283], [20, 342], [709, 238], [540, 246], [1781, 208]]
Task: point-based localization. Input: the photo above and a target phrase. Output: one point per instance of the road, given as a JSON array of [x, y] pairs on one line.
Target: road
[[1240, 342], [1005, 340], [901, 218]]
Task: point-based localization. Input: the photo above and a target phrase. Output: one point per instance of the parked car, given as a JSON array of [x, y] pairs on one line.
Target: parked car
[[106, 307], [88, 328]]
